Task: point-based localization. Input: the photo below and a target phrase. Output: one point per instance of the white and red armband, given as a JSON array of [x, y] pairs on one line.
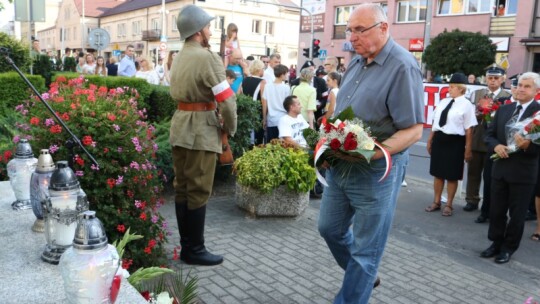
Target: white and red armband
[[222, 91]]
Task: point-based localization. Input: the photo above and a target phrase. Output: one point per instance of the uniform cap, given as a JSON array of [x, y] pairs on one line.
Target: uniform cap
[[495, 70], [459, 78], [307, 64], [192, 19]]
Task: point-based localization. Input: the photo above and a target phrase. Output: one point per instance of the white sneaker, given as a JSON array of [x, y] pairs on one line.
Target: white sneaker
[[404, 184]]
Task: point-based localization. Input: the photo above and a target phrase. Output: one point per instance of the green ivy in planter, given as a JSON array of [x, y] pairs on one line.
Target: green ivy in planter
[[267, 167]]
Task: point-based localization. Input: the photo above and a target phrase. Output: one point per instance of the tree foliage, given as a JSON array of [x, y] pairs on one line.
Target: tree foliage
[[19, 53], [459, 51]]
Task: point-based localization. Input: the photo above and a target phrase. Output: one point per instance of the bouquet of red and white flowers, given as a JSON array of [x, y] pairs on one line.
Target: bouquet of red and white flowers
[[528, 128], [344, 138], [487, 108]]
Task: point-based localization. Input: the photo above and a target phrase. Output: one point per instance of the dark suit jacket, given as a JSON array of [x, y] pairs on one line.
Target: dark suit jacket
[[521, 166]]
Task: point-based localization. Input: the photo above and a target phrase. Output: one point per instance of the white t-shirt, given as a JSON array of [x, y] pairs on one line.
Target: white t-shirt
[[275, 94], [292, 127], [89, 68], [269, 75]]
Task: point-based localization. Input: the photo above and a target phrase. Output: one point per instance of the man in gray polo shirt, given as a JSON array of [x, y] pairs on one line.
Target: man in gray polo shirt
[[383, 84]]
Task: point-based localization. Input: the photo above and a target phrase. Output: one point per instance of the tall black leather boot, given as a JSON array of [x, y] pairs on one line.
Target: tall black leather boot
[[181, 211], [194, 252]]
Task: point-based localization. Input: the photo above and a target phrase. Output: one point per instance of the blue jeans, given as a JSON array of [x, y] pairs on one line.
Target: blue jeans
[[355, 197]]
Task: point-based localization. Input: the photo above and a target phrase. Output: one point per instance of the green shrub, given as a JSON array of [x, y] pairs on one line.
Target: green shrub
[[19, 52], [43, 66], [13, 90], [70, 64], [272, 165], [164, 160], [249, 118], [125, 190], [160, 104]]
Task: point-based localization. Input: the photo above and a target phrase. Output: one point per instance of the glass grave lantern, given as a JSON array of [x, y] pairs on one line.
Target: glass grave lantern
[[39, 187], [65, 202], [20, 170], [89, 268]]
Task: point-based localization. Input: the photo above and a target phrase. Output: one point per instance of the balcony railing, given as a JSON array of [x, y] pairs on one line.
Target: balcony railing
[[151, 35]]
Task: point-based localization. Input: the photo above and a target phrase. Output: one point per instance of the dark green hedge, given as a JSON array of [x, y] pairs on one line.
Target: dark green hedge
[[13, 89], [161, 104]]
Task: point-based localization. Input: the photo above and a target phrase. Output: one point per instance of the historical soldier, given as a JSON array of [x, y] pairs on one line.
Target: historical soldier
[[199, 86], [495, 79]]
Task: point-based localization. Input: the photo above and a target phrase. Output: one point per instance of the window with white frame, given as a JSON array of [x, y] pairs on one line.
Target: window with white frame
[[511, 7], [269, 28], [173, 24], [460, 7], [155, 24], [411, 11], [218, 22], [256, 26], [136, 28], [384, 6], [342, 14], [121, 30]]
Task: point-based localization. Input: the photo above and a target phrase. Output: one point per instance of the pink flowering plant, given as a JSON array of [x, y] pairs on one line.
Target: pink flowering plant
[[125, 189]]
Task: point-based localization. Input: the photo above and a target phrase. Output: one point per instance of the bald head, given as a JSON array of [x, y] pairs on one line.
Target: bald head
[[368, 30], [236, 57]]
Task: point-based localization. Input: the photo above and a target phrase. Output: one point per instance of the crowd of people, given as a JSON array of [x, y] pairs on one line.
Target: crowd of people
[[383, 83], [476, 130]]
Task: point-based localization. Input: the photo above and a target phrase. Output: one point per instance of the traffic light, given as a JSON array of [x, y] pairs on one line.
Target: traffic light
[[306, 52], [316, 47]]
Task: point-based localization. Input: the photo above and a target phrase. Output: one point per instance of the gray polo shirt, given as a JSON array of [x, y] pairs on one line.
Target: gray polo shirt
[[387, 93]]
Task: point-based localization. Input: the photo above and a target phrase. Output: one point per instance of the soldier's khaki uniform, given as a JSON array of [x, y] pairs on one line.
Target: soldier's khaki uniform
[[195, 135]]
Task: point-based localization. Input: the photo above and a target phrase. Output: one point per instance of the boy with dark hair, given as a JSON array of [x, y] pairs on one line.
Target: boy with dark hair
[[272, 102]]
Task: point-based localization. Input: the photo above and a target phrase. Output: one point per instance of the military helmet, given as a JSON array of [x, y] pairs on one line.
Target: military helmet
[[191, 19]]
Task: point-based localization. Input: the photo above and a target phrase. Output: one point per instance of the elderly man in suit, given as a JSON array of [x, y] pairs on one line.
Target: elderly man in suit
[[495, 78], [514, 175]]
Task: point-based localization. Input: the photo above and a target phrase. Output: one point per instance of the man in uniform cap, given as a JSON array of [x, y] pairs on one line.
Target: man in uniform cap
[[199, 86], [494, 91]]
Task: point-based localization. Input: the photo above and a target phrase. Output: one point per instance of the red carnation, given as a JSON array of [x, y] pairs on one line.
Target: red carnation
[[87, 140], [143, 216], [350, 142], [335, 144], [55, 129], [148, 250], [34, 121], [111, 182], [111, 117], [536, 122], [146, 295], [121, 228], [7, 155]]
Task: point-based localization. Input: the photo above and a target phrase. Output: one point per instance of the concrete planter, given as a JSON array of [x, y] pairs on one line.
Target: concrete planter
[[280, 202]]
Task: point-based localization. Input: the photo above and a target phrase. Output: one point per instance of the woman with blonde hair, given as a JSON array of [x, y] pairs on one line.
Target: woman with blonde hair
[[101, 69], [307, 95], [231, 42], [147, 71], [90, 65], [253, 86]]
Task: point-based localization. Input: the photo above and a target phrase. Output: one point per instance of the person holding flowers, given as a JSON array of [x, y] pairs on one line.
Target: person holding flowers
[[199, 86], [514, 173], [382, 86], [449, 142]]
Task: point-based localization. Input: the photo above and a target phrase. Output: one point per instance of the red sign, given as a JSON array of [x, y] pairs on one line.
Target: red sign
[[416, 45]]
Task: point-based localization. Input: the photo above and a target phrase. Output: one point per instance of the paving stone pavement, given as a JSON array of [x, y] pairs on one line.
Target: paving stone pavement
[[284, 260]]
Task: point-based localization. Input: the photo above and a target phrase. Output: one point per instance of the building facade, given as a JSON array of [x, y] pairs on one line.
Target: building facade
[[263, 28], [511, 24]]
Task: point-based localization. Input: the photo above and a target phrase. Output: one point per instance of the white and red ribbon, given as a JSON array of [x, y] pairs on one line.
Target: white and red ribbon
[[222, 91], [322, 145]]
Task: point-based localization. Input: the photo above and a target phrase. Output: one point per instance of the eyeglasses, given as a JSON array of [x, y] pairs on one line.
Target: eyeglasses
[[358, 31], [265, 61]]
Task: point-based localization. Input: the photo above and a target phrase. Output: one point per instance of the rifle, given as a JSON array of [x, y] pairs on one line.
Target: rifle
[[223, 39]]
